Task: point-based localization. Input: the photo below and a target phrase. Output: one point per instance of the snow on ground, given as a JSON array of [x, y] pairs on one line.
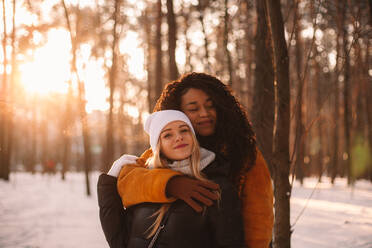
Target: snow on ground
[[336, 216], [43, 211]]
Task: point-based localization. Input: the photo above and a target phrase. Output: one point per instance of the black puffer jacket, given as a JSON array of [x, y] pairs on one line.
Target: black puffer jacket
[[111, 212], [221, 225]]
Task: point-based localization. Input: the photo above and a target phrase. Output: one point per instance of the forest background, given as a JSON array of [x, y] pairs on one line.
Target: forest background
[[79, 78]]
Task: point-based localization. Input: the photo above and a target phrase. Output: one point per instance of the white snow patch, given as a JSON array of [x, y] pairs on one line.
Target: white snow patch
[[335, 216], [44, 211]]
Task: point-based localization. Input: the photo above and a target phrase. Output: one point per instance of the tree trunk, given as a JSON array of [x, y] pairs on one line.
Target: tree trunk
[[3, 103], [336, 114], [369, 106], [206, 42], [158, 44], [172, 41], [149, 58], [110, 148], [346, 93], [44, 142], [81, 95], [32, 147], [9, 95], [248, 53], [121, 130], [186, 15], [66, 126], [319, 90], [370, 11], [299, 136], [282, 189], [263, 121], [226, 42]]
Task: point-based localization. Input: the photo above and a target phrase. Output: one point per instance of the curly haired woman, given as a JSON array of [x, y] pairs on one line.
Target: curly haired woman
[[221, 125]]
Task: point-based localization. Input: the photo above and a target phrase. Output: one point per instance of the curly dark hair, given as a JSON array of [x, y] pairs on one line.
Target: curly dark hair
[[234, 136]]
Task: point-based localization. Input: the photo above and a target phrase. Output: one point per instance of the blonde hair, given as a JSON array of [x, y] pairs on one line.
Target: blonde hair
[[158, 161]]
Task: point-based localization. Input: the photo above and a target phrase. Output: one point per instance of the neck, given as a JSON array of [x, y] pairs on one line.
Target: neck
[[208, 142]]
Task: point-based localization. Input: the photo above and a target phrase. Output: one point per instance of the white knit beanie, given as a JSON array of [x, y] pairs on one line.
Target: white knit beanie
[[158, 120]]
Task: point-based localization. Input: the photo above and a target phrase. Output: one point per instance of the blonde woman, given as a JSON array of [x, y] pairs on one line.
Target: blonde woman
[[173, 140]]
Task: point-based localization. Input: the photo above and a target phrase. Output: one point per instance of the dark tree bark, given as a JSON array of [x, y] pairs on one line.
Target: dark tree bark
[[249, 58], [201, 8], [369, 105], [172, 41], [319, 90], [81, 97], [263, 121], [9, 97], [186, 15], [32, 148], [282, 188], [122, 119], [149, 58], [346, 94], [300, 129], [44, 142], [336, 112], [3, 105], [66, 125], [4, 108], [158, 44], [370, 11], [110, 148], [225, 43]]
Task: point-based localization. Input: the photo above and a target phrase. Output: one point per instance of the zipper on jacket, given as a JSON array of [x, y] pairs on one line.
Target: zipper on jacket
[[155, 236]]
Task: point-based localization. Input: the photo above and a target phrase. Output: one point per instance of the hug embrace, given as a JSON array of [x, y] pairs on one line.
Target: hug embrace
[[203, 182]]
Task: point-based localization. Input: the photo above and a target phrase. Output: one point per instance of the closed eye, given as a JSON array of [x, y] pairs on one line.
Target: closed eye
[[192, 110]]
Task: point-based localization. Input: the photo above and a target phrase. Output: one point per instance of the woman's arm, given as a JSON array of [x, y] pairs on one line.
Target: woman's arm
[[258, 205], [111, 212], [137, 184]]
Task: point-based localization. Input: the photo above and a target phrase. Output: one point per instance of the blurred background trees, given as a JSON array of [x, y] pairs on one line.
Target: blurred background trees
[[120, 53], [79, 77]]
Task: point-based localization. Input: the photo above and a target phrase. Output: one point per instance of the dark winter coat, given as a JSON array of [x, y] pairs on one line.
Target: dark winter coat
[[221, 225], [111, 212]]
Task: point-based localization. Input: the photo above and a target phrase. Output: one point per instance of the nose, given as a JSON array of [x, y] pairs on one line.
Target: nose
[[203, 112], [179, 137]]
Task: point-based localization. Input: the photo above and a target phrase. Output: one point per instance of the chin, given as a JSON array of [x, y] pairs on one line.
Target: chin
[[206, 133], [179, 157]]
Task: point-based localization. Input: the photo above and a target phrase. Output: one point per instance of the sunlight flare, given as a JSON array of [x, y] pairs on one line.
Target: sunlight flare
[[49, 71]]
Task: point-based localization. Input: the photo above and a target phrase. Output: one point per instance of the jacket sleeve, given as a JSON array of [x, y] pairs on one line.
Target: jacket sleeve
[[137, 184], [111, 211], [225, 217], [258, 205]]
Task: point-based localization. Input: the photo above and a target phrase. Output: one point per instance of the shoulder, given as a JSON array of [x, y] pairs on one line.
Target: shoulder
[[259, 167]]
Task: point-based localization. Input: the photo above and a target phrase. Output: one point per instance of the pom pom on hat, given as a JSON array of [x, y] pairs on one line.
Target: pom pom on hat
[[158, 120]]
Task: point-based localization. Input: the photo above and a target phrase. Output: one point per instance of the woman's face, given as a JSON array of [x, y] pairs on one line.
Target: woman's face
[[176, 141], [198, 106]]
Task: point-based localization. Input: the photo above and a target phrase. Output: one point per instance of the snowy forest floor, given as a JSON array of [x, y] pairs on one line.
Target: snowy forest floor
[[44, 211]]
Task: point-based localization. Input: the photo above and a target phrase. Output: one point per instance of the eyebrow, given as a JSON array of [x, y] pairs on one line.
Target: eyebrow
[[169, 129], [191, 103]]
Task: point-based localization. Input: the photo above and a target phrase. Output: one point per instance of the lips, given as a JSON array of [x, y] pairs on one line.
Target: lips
[[205, 123], [181, 146]]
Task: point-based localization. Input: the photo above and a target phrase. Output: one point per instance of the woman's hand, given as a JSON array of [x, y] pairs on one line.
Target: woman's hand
[[119, 163], [189, 190]]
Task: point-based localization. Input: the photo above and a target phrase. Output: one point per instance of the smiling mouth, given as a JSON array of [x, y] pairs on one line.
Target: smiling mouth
[[181, 146], [205, 123]]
